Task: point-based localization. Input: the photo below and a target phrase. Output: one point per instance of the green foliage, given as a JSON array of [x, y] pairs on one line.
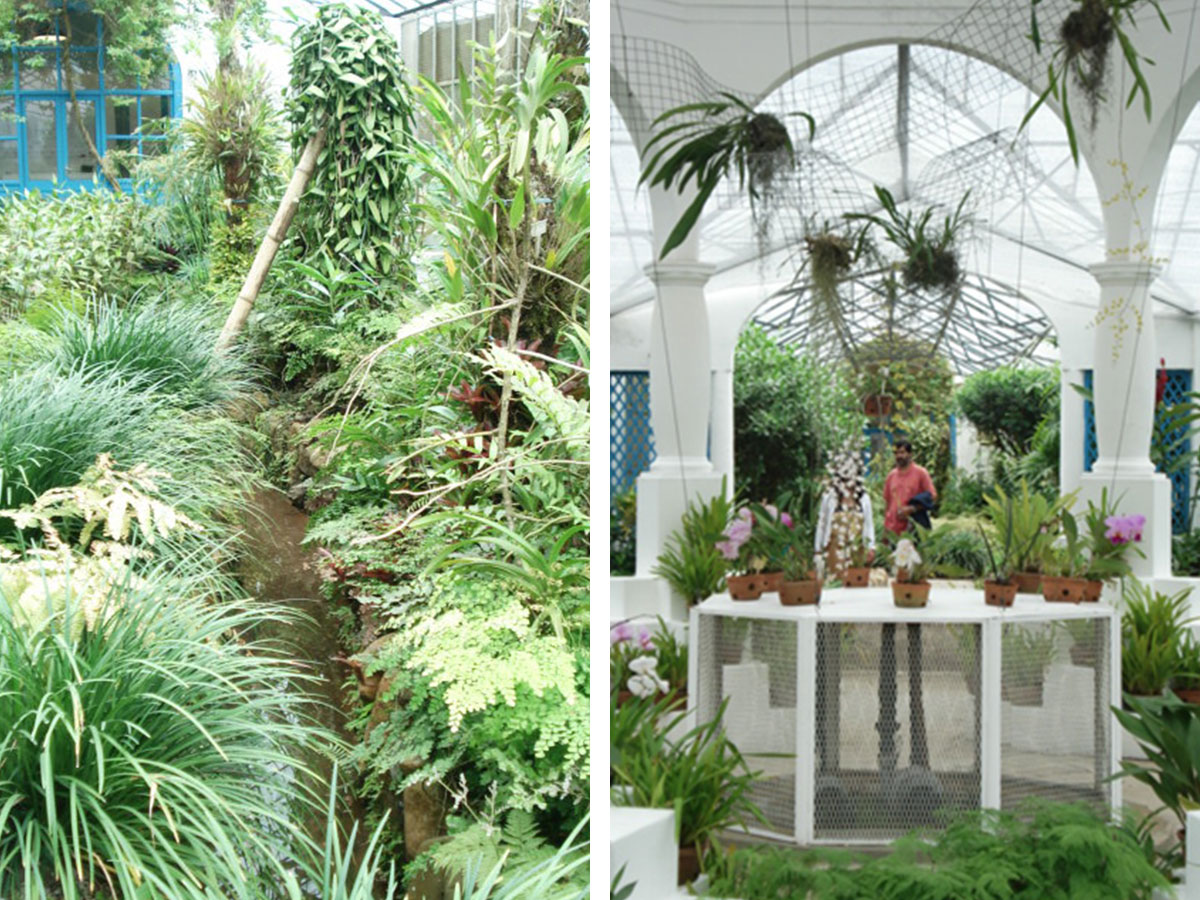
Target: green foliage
[[790, 414], [1152, 633], [496, 143], [135, 34], [1080, 54], [1168, 730], [233, 129], [622, 530], [910, 371], [347, 76], [930, 255], [705, 142], [690, 562], [232, 250], [561, 876], [1185, 554], [158, 345], [84, 242], [55, 427], [1033, 520], [955, 545], [701, 775], [1007, 405], [1037, 852], [148, 750]]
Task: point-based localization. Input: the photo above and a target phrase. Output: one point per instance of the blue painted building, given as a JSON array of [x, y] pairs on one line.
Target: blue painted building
[[40, 143]]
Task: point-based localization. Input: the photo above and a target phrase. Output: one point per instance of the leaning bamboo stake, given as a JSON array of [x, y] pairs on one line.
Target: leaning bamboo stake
[[272, 240]]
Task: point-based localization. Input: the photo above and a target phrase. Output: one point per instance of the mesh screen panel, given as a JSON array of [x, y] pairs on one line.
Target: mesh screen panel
[[752, 662], [897, 727], [1055, 723]]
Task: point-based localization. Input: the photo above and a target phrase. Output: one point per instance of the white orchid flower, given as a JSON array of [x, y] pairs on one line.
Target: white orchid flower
[[906, 556]]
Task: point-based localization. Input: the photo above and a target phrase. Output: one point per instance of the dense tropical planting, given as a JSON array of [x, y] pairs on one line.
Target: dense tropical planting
[[414, 376]]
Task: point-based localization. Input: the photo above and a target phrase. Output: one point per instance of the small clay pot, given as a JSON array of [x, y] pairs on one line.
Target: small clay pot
[[689, 865], [1063, 590], [1188, 695], [1091, 591], [770, 581], [858, 577], [996, 594], [1028, 582], [910, 594], [744, 587], [800, 593]]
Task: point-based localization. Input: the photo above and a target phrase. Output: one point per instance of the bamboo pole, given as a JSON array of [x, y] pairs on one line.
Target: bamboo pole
[[272, 241]]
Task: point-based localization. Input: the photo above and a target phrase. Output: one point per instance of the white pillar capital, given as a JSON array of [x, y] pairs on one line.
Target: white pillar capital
[[1125, 273], [684, 273]]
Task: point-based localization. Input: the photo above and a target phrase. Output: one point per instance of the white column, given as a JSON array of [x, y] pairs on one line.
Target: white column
[[1123, 387], [1071, 431], [721, 432], [680, 399]]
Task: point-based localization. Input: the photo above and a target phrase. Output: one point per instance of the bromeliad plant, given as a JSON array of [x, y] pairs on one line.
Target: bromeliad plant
[[691, 562], [728, 136], [1080, 55]]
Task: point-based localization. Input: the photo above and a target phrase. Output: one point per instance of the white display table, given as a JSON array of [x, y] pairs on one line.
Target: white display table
[[867, 719]]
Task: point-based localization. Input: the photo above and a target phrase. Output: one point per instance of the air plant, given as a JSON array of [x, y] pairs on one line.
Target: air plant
[[1084, 38], [930, 256], [729, 136]]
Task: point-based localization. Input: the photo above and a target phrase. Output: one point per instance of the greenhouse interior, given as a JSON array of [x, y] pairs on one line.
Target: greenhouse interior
[[904, 449], [294, 405]]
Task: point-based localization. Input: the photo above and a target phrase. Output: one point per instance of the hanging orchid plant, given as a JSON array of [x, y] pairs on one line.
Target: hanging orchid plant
[[729, 136], [1080, 56]]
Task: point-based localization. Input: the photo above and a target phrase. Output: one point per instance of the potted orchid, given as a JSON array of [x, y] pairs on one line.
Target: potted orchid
[[750, 542], [911, 587], [1112, 537], [629, 643], [801, 580], [1063, 563]]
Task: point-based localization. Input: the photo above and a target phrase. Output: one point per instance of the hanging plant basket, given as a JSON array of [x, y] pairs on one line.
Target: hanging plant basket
[[878, 406]]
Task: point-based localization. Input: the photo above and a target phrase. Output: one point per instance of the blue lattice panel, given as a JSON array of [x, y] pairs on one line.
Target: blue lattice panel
[[630, 437], [1179, 383]]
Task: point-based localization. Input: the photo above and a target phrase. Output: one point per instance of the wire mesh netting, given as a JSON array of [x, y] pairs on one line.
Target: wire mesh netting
[[897, 727], [752, 663], [1055, 723]]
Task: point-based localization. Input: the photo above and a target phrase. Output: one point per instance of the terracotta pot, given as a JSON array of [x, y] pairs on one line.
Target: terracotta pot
[[1028, 582], [996, 594], [1188, 695], [877, 405], [800, 593], [1091, 591], [770, 581], [744, 587], [858, 577], [1023, 694], [910, 594], [689, 865], [1063, 590]]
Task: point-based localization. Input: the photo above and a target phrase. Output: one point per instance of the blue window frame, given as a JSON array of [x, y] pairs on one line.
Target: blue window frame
[[40, 142]]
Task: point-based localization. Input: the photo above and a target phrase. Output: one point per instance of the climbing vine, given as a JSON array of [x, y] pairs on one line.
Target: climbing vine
[[347, 76]]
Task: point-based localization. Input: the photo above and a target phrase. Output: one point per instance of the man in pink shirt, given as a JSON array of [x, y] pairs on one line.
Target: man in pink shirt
[[905, 482]]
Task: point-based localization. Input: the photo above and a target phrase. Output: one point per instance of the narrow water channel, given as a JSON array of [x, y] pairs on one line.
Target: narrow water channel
[[277, 569]]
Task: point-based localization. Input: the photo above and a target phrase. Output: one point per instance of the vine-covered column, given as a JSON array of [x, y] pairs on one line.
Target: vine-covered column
[[1123, 384]]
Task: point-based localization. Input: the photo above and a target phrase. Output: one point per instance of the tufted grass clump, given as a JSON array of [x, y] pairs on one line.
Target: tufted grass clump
[[158, 754], [165, 346]]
